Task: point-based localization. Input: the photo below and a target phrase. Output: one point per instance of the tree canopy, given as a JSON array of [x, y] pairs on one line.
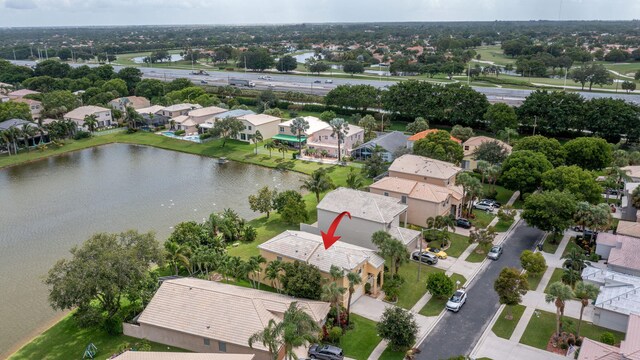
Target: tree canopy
[[589, 153], [549, 147], [438, 145], [523, 170], [537, 210], [581, 183]]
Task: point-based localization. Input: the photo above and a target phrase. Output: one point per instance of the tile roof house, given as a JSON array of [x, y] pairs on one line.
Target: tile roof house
[[629, 348], [154, 355], [309, 248], [469, 147], [39, 137], [266, 124], [21, 93], [423, 134], [633, 171], [210, 317], [285, 135], [103, 116], [35, 107], [423, 169], [155, 109], [324, 139], [369, 213], [424, 200], [179, 109], [136, 102], [390, 143], [225, 114], [630, 228]]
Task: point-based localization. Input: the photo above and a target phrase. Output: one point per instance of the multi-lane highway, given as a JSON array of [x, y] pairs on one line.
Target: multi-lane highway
[[317, 85]]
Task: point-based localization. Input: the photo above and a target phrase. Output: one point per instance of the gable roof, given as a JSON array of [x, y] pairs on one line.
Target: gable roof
[[476, 141], [315, 124], [27, 101], [207, 111], [594, 350], [363, 205], [82, 111], [423, 134], [182, 107], [415, 189], [259, 119], [220, 311], [626, 254], [424, 166], [7, 124], [632, 170], [309, 248], [22, 92], [151, 109], [630, 346], [233, 113], [391, 142], [155, 355]]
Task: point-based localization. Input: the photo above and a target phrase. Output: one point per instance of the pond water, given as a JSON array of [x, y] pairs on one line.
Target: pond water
[[48, 206]]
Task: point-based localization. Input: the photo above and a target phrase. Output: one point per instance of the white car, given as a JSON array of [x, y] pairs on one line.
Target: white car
[[457, 300], [329, 81], [483, 206]]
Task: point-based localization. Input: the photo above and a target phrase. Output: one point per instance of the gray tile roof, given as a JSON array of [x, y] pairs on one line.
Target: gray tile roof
[[389, 141], [233, 114], [363, 205], [15, 122]]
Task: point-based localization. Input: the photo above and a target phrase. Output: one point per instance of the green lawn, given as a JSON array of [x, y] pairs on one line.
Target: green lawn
[[435, 305], [556, 276], [503, 194], [359, 342], [476, 257], [571, 245], [550, 246], [494, 54], [458, 244], [543, 324], [412, 289], [389, 354], [534, 280], [503, 226], [65, 340], [503, 327], [482, 218]]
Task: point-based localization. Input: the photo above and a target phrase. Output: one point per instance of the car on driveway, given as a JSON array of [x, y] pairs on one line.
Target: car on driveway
[[425, 257], [495, 252], [325, 352], [437, 252], [463, 223], [492, 202], [483, 206], [457, 300]]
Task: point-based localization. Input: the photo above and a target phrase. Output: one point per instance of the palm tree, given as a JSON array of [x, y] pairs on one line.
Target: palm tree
[[333, 294], [283, 148], [584, 292], [298, 127], [559, 293], [27, 132], [340, 129], [4, 139], [354, 180], [272, 273], [297, 329], [255, 265], [270, 146], [13, 134], [577, 259], [269, 337], [318, 183], [493, 172], [256, 138], [324, 153], [390, 248], [177, 254], [133, 117], [90, 121], [482, 168], [354, 279]]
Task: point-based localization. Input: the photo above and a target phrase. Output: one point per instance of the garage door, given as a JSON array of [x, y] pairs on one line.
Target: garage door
[[356, 294]]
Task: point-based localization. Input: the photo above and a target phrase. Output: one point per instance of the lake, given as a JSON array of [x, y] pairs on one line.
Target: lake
[[48, 206]]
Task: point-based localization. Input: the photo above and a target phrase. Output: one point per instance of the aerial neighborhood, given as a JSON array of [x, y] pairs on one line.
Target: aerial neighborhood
[[340, 192]]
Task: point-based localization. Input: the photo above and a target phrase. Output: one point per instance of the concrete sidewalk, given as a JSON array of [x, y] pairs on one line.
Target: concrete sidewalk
[[497, 348]]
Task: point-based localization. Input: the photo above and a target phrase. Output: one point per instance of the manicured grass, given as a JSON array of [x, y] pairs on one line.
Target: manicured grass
[[494, 54], [482, 218], [389, 354], [359, 342], [534, 280], [503, 226], [476, 257], [458, 244], [556, 276], [543, 324], [550, 246], [65, 340], [412, 289], [435, 305], [571, 245], [504, 327]]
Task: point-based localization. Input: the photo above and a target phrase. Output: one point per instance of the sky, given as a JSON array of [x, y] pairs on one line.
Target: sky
[[27, 13]]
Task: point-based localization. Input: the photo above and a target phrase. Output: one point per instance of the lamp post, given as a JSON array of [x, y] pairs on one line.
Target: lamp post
[[457, 284]]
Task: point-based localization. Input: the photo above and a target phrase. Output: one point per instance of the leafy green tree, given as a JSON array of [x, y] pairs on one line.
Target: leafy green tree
[[635, 198], [440, 285], [53, 68], [191, 234], [584, 292], [418, 125], [102, 273], [438, 145], [327, 115], [354, 180], [589, 153], [298, 127], [390, 248], [227, 128], [318, 183], [316, 67], [117, 85], [333, 293], [523, 170], [592, 74], [293, 210], [57, 103], [256, 59], [559, 293], [131, 76], [359, 97], [492, 152], [549, 147], [14, 74], [500, 116], [484, 237], [510, 286], [398, 327], [353, 67], [302, 280], [368, 123], [375, 164], [551, 112], [609, 118], [462, 133], [262, 201], [286, 63], [507, 135], [536, 210], [339, 129], [628, 86], [581, 183], [150, 88], [177, 254], [533, 262], [14, 110]]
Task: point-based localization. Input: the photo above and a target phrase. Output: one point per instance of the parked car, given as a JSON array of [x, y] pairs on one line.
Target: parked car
[[325, 352], [463, 223], [483, 206], [425, 257], [271, 85], [457, 300], [317, 82], [613, 192], [492, 202], [495, 252], [437, 252], [329, 81], [203, 82]]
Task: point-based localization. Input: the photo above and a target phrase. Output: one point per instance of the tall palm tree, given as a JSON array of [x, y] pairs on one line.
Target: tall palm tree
[[390, 248], [584, 292], [272, 273], [354, 180], [482, 168], [558, 293], [340, 129], [283, 148], [177, 254], [132, 117], [318, 182], [27, 133], [255, 265], [90, 121], [270, 338], [4, 139], [256, 138], [298, 127], [270, 146], [297, 329], [13, 134], [493, 173], [333, 294], [354, 279]]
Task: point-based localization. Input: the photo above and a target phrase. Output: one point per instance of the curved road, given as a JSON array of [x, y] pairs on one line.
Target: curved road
[[457, 333], [312, 84]]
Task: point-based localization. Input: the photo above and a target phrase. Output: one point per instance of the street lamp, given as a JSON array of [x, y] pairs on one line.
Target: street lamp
[[457, 284]]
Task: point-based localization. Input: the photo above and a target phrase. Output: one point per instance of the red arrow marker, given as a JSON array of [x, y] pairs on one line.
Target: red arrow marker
[[329, 238]]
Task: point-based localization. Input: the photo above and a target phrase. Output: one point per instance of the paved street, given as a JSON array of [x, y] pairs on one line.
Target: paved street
[[456, 334]]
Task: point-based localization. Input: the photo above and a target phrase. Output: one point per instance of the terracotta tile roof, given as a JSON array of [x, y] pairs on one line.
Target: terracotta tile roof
[[416, 190], [315, 125], [632, 170], [207, 111], [220, 311], [154, 355], [82, 111], [151, 109], [23, 92], [405, 235], [593, 350], [423, 166], [423, 134], [627, 255], [363, 205], [181, 107], [630, 347]]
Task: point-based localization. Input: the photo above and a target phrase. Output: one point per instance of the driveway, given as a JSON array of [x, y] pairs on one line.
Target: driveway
[[456, 334]]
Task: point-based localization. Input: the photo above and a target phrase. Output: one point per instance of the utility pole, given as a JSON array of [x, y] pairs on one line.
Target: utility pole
[[469, 74], [565, 78], [14, 54], [535, 124]]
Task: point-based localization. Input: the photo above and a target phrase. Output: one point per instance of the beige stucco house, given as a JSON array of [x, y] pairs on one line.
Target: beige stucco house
[[301, 246], [423, 169], [266, 124], [179, 109], [319, 136], [192, 120], [629, 348], [424, 200], [210, 317], [103, 116], [469, 147], [35, 107], [135, 102]]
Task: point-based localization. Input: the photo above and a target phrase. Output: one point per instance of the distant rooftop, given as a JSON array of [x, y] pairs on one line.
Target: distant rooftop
[[424, 166]]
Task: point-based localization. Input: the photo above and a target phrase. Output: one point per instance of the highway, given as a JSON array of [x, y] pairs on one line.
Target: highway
[[317, 85]]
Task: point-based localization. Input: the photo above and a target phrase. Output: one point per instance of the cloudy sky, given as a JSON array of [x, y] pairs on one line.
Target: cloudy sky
[[148, 12]]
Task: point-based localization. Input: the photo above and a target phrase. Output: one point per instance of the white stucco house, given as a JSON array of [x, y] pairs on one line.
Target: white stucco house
[[103, 116]]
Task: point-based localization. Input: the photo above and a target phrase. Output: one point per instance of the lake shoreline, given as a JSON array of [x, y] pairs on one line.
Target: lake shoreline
[[35, 333]]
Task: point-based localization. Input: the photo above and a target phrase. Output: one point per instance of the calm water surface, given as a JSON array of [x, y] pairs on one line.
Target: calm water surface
[[48, 206]]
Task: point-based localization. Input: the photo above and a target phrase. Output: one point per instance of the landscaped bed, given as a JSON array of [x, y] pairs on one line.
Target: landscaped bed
[[503, 327]]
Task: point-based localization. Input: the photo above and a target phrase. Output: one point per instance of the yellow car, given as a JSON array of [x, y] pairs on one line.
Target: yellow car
[[437, 252]]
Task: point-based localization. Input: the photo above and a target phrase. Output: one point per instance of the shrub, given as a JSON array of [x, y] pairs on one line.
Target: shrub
[[391, 287], [335, 334], [81, 135], [399, 327], [367, 288], [607, 338], [491, 194], [440, 285], [179, 132]]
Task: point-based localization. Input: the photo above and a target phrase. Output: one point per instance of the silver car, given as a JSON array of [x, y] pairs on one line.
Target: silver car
[[483, 206], [495, 252], [457, 300]]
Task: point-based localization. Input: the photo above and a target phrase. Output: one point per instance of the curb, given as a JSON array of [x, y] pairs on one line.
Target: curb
[[484, 335]]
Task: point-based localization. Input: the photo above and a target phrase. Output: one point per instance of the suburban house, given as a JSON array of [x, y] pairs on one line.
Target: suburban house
[[388, 144], [469, 161], [136, 102], [629, 228], [5, 88], [209, 123], [210, 317], [266, 124], [38, 137], [309, 248], [423, 134], [154, 355], [423, 169], [35, 107], [285, 134], [423, 199], [21, 93], [629, 347], [178, 109], [103, 116], [155, 109], [191, 121], [369, 213], [325, 140], [633, 171]]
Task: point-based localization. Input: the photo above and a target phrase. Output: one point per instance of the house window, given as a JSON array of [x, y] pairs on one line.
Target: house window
[[207, 342], [326, 137], [385, 193], [466, 147], [249, 127], [360, 271], [243, 136], [279, 258], [222, 346], [403, 199], [281, 128]]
